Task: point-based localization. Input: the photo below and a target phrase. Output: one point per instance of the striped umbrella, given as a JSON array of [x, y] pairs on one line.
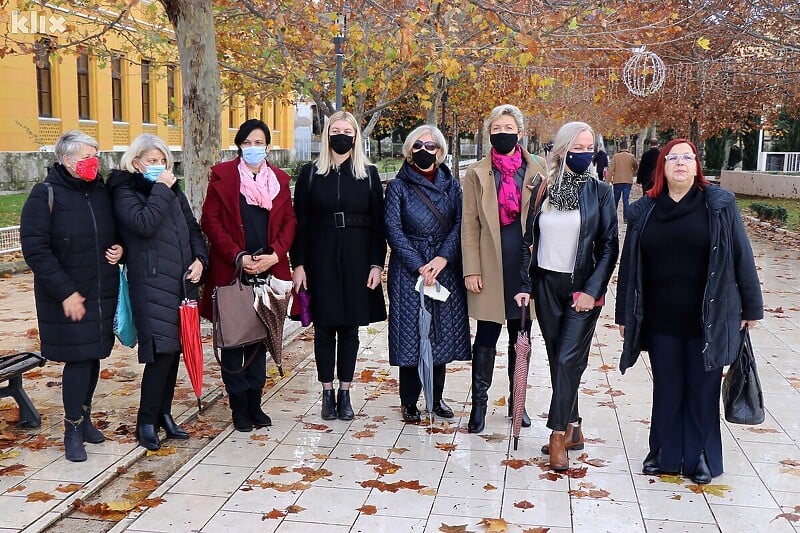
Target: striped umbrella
[[523, 348]]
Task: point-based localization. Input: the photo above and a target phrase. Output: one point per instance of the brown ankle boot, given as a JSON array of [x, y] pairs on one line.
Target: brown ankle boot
[[558, 454], [573, 439]]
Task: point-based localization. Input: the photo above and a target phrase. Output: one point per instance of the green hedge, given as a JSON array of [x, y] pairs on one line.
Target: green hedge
[[770, 212]]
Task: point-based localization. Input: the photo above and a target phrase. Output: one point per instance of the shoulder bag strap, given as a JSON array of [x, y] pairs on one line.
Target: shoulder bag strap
[[427, 201]]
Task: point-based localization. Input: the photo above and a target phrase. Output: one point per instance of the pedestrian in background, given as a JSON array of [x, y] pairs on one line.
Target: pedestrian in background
[[423, 228], [338, 253], [644, 176], [687, 285], [497, 192], [620, 174], [69, 239], [600, 161], [164, 245], [573, 236], [250, 223]]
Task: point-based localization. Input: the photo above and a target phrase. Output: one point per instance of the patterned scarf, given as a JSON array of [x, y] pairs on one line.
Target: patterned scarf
[[564, 197], [260, 190], [509, 197]]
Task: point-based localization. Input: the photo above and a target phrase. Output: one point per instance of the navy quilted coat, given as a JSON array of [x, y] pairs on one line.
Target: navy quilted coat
[[416, 236]]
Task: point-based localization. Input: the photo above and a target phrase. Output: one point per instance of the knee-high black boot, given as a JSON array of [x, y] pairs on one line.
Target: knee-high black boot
[[482, 369], [512, 363]]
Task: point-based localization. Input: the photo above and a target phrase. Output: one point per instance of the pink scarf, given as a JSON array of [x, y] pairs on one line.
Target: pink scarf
[[509, 197], [261, 190]]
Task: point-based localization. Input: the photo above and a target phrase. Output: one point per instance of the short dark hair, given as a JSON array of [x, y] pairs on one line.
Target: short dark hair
[[246, 129], [623, 145], [653, 143]]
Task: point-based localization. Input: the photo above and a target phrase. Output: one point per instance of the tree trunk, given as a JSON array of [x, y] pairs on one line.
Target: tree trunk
[[197, 46]]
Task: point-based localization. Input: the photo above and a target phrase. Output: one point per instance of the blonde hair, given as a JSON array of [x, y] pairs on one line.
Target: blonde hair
[[141, 144], [359, 159], [434, 132], [561, 144], [499, 111]]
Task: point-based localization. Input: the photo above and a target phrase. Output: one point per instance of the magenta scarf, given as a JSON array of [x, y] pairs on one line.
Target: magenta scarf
[[260, 190], [509, 197]]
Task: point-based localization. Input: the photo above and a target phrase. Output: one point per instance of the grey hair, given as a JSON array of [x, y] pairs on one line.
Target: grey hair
[[434, 132], [561, 144], [141, 144], [70, 143], [504, 109]]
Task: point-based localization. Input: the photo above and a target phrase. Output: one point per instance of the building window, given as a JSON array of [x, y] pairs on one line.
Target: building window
[[43, 79], [116, 88], [171, 111], [232, 111], [146, 118], [275, 114], [247, 105], [84, 112]]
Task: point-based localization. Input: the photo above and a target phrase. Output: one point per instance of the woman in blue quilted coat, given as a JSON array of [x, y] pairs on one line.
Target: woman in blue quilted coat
[[423, 228]]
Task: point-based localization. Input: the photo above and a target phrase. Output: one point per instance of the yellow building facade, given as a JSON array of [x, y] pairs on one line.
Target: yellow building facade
[[113, 99]]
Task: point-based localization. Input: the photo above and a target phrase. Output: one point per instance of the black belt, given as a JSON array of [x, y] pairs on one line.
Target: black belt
[[341, 219]]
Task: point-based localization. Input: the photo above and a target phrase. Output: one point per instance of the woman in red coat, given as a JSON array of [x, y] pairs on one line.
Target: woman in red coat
[[248, 218]]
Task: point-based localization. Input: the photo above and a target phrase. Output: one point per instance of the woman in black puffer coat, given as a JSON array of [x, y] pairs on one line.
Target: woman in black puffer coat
[[164, 245], [68, 239]]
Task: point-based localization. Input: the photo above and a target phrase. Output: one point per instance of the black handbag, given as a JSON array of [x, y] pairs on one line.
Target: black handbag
[[741, 390]]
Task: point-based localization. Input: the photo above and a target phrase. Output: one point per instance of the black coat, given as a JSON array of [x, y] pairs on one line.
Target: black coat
[[161, 238], [66, 252], [644, 175], [732, 292], [337, 260], [416, 236], [598, 242]]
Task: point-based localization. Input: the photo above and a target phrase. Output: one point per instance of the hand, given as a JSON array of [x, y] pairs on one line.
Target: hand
[[750, 324], [432, 269], [73, 306], [622, 331], [257, 264], [374, 278], [299, 278], [114, 254], [167, 178], [522, 299], [584, 303], [195, 271], [474, 283]]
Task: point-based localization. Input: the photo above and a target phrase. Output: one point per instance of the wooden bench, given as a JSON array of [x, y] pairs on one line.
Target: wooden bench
[[11, 369]]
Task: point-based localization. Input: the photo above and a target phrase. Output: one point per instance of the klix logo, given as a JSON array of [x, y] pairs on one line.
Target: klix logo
[[33, 22]]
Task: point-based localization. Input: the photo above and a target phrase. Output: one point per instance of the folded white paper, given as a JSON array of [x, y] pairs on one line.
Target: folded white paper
[[437, 291]]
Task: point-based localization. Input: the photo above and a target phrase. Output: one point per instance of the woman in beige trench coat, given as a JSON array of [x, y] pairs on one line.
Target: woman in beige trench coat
[[497, 193]]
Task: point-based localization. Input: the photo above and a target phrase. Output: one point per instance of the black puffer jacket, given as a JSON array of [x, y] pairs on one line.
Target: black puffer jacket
[[66, 251], [161, 238], [732, 292]]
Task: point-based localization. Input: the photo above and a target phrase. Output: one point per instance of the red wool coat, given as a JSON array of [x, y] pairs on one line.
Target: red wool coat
[[222, 223]]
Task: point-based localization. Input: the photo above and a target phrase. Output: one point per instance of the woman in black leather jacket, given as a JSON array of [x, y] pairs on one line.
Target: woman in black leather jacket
[[573, 231]]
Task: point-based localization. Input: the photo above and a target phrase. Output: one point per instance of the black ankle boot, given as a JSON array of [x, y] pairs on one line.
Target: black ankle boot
[[343, 407], [241, 420], [411, 414], [90, 433], [442, 410], [258, 417], [172, 429], [147, 435], [482, 369], [73, 440], [477, 418], [702, 473], [329, 405], [650, 465]]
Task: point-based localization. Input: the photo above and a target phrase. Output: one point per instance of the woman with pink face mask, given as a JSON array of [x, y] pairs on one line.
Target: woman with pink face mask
[[69, 240]]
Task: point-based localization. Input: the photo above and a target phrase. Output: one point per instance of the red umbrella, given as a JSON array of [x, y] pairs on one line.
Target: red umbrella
[[523, 348], [191, 343]]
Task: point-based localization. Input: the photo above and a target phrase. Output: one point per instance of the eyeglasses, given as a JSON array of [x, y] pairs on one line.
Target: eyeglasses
[[428, 145], [672, 158]]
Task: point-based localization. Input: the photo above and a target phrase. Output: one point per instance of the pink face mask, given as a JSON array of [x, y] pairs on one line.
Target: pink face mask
[[86, 169]]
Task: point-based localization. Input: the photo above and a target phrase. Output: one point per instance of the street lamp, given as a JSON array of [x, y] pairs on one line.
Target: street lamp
[[338, 41]]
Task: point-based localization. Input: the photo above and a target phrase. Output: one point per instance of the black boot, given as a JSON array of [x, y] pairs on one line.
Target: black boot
[[147, 435], [343, 407], [258, 417], [329, 405], [512, 363], [73, 440], [241, 420], [702, 473], [172, 429], [90, 433], [650, 465], [482, 368]]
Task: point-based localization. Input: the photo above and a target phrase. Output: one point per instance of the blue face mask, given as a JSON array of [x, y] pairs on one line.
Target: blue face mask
[[578, 162], [152, 172], [254, 155]]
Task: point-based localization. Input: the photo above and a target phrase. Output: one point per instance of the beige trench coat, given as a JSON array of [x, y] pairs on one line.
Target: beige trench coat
[[480, 234]]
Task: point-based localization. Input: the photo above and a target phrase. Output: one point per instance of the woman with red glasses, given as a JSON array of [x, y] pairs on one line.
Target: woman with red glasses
[[687, 285], [423, 224]]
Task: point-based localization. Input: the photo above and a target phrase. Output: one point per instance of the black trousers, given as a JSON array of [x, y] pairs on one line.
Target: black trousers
[[78, 383], [158, 387], [254, 377], [567, 337], [685, 419], [487, 333], [411, 386], [335, 346]]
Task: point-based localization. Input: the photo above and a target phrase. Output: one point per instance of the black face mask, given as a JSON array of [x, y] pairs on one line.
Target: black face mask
[[504, 143], [579, 162], [341, 143], [423, 159]]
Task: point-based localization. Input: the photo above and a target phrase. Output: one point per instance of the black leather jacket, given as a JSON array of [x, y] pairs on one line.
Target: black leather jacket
[[732, 292], [598, 243]]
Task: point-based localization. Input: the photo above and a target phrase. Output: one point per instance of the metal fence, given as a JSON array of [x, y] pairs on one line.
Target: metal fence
[[9, 240], [779, 161]]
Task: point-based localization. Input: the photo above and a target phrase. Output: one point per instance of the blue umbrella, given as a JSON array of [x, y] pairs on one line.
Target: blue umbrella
[[425, 362]]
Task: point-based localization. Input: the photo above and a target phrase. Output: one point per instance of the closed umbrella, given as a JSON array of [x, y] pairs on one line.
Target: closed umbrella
[[425, 362], [523, 348], [191, 343], [271, 302]]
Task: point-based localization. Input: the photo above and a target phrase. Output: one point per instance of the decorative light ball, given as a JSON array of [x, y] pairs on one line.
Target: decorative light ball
[[643, 73]]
